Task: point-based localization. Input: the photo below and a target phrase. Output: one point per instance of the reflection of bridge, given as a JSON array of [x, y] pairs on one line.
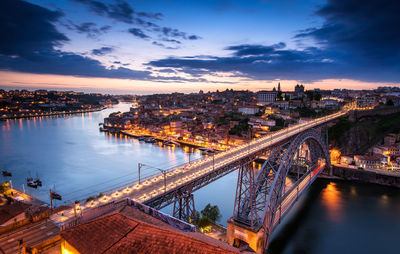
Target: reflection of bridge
[[262, 197]]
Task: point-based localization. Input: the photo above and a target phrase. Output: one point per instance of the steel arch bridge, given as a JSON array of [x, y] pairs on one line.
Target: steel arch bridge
[[263, 197]]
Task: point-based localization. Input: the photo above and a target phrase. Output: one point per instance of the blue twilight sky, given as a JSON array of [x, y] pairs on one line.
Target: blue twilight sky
[[172, 45]]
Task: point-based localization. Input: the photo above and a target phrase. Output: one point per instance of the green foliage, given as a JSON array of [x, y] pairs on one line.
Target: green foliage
[[373, 128], [390, 102], [4, 187], [311, 95], [276, 128], [211, 212], [90, 198], [203, 222], [338, 129], [279, 122]]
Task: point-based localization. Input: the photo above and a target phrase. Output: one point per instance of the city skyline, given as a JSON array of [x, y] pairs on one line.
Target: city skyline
[[137, 47]]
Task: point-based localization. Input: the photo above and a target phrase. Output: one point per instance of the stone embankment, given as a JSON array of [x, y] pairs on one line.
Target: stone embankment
[[350, 173]]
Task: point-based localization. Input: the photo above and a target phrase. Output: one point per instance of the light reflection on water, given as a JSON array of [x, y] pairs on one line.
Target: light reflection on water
[[332, 202], [69, 153]]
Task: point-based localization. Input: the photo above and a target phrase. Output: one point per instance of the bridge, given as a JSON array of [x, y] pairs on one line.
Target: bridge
[[263, 197]]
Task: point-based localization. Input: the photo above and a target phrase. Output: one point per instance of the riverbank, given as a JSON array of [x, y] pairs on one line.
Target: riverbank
[[54, 113], [23, 197], [348, 173], [181, 142]]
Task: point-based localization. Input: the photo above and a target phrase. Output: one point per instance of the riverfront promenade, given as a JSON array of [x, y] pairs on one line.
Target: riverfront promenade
[[56, 113]]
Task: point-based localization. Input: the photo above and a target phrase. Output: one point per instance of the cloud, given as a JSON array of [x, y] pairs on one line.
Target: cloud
[[138, 33], [89, 28], [122, 11], [360, 32], [102, 51], [162, 45], [254, 50], [31, 41], [27, 28], [358, 40], [175, 33]]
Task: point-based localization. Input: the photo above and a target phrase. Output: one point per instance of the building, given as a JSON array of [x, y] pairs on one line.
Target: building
[[299, 91], [366, 101], [248, 110], [390, 140], [266, 97], [136, 229], [368, 161]]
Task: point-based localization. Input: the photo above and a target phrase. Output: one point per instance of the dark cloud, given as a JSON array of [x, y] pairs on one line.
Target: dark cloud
[[123, 64], [119, 10], [168, 70], [163, 45], [254, 50], [26, 28], [194, 37], [31, 41], [102, 51], [89, 28], [138, 33], [358, 40], [64, 63], [171, 40], [150, 15], [175, 33], [122, 11], [359, 32]]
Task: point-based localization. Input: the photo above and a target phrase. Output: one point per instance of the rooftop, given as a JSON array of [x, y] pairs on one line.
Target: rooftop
[[130, 230]]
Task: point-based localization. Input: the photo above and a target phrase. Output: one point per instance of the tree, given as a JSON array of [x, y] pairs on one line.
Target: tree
[[211, 212], [4, 187], [390, 102]]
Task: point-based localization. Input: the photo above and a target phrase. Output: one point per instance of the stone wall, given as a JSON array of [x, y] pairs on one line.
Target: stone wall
[[354, 115], [361, 175]]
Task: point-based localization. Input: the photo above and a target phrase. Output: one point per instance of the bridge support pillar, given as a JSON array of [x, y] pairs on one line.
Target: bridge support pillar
[[239, 235], [184, 207]]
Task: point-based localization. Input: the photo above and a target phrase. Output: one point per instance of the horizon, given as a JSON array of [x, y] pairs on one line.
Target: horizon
[[136, 47]]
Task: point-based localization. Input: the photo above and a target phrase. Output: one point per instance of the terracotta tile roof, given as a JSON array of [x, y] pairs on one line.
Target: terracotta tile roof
[[98, 235], [147, 238], [131, 231]]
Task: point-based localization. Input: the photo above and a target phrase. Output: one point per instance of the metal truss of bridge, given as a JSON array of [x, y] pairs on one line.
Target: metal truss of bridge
[[264, 196]]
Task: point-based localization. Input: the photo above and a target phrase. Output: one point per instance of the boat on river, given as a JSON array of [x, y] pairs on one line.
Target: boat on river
[[150, 140], [38, 182], [31, 183], [6, 173]]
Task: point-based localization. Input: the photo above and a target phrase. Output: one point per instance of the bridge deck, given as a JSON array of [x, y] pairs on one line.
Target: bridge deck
[[295, 192]]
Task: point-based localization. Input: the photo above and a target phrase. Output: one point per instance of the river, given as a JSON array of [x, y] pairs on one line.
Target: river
[[70, 155]]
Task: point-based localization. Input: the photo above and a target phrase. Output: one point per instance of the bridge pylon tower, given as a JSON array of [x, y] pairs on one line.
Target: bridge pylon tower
[[184, 208]]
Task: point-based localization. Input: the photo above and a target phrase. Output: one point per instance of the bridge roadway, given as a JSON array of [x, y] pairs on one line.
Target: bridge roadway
[[295, 191], [157, 186]]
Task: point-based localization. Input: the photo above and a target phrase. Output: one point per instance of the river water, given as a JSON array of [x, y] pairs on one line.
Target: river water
[[70, 155]]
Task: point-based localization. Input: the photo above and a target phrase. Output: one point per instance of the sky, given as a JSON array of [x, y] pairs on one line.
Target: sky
[[161, 46]]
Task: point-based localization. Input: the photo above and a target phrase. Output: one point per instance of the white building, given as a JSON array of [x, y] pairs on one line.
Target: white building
[[266, 97], [249, 110]]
